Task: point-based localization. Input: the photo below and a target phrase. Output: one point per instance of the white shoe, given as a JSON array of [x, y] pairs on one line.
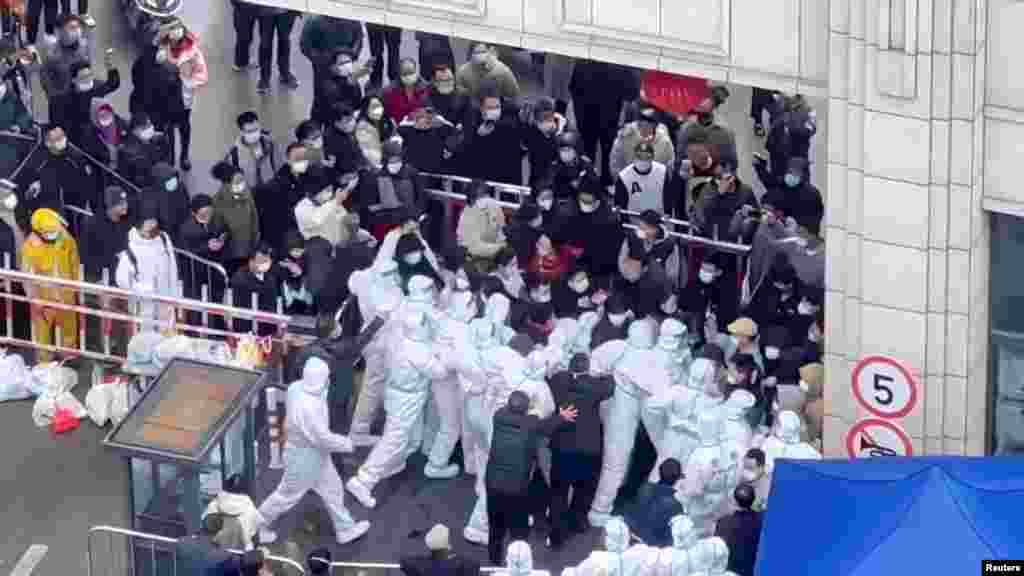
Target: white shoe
[[267, 536], [450, 471], [475, 536], [354, 533], [361, 493], [598, 519]]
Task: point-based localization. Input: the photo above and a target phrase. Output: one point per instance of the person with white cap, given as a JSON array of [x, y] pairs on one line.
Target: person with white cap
[[618, 558], [519, 560], [707, 475], [448, 393], [785, 442], [737, 434], [682, 404], [490, 392], [675, 560], [674, 359], [415, 364], [421, 296], [630, 363], [441, 560], [379, 295], [307, 462]]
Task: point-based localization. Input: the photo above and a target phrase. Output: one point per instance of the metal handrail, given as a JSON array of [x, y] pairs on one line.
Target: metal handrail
[[390, 566], [105, 168], [190, 255], [526, 191], [730, 247], [166, 540]]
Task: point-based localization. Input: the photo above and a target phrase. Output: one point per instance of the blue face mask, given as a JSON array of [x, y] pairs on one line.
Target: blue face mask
[[171, 185], [792, 180]]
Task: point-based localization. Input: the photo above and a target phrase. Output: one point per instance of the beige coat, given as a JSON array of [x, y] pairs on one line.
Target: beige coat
[[481, 230]]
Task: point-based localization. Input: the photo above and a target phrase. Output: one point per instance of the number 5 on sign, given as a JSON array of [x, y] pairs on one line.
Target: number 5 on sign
[[884, 387]]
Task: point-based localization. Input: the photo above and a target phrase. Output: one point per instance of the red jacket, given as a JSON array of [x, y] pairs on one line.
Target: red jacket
[[398, 104], [551, 267]]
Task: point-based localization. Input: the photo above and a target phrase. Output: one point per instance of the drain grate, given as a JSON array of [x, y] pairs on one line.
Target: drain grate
[[28, 561]]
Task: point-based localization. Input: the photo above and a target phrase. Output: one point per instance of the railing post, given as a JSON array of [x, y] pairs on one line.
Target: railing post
[[81, 318], [204, 294], [58, 332], [106, 324], [8, 304]]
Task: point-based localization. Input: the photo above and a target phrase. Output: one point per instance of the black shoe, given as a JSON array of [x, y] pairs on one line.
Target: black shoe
[[186, 164]]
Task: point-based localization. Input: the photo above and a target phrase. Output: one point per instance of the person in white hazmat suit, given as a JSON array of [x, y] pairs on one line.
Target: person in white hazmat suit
[[737, 436], [674, 359], [785, 442], [448, 392], [497, 311], [421, 296], [493, 362], [379, 294], [676, 560], [519, 560], [415, 364], [307, 458], [618, 558], [707, 475], [713, 555], [634, 364]]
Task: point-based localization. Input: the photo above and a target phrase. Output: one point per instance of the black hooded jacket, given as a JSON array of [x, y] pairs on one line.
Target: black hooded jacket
[[585, 392], [172, 206]]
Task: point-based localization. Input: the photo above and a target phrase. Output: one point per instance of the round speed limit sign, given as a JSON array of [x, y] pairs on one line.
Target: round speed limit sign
[[884, 387]]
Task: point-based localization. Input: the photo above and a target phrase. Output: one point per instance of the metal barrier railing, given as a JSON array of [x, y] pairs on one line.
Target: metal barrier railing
[[374, 568], [192, 260], [132, 556]]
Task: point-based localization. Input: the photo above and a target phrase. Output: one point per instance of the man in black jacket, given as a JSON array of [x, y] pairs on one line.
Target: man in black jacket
[[441, 561], [275, 202], [258, 282], [513, 455], [105, 235], [576, 448], [741, 531], [54, 176], [139, 151], [649, 514]]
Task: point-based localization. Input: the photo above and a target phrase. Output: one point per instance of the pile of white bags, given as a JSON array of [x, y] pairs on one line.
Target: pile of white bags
[[16, 381], [57, 381], [107, 399]]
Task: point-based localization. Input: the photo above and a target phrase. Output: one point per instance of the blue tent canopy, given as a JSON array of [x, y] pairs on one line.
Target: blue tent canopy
[[884, 516]]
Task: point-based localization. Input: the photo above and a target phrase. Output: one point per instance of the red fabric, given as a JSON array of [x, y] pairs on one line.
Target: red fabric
[[379, 231], [673, 93], [63, 421], [551, 268], [398, 104], [187, 42]]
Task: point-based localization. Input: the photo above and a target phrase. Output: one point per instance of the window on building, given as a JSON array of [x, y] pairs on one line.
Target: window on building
[[1006, 353]]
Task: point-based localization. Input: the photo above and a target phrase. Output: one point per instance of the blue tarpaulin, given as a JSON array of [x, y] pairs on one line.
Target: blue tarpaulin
[[885, 516]]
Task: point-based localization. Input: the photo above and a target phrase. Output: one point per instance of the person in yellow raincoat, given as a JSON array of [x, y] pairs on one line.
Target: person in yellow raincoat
[[51, 251]]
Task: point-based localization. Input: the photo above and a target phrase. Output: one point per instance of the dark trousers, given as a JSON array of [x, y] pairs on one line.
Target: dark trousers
[[183, 126], [506, 514], [592, 133], [36, 9], [279, 25], [245, 18], [579, 472], [760, 100], [83, 6], [379, 36]]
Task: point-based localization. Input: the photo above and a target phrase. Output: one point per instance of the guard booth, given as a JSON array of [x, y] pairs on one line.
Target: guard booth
[[192, 428]]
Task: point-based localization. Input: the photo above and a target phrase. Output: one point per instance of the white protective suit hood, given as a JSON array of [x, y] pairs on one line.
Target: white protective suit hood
[[482, 332], [683, 534], [519, 559], [703, 555], [788, 429], [415, 327], [315, 376], [700, 371], [498, 308], [536, 366], [671, 335], [641, 335], [387, 275], [709, 427], [739, 403], [720, 556]]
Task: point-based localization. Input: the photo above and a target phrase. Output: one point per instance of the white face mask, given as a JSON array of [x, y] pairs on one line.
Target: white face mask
[[805, 308], [295, 254], [375, 113], [106, 121], [85, 86], [567, 156], [492, 114], [11, 202], [300, 166], [617, 319], [344, 69], [251, 137], [706, 276], [395, 167], [541, 294], [804, 387], [171, 185], [315, 144], [580, 286], [813, 336], [238, 187], [588, 208], [461, 283], [146, 134], [51, 236], [413, 258], [643, 165], [545, 204], [60, 144], [771, 353], [445, 87], [410, 79], [161, 56], [750, 476], [263, 268], [177, 34]]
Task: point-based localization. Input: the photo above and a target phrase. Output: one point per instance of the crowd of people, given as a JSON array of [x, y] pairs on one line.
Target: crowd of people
[[553, 342]]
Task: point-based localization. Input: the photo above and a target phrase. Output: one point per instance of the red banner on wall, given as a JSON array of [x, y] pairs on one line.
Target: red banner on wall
[[672, 93]]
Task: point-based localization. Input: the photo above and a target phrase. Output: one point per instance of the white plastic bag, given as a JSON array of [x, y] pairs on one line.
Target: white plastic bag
[[107, 400], [16, 381], [59, 381], [171, 348]]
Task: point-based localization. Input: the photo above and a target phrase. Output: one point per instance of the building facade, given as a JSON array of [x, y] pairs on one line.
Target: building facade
[[925, 151]]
